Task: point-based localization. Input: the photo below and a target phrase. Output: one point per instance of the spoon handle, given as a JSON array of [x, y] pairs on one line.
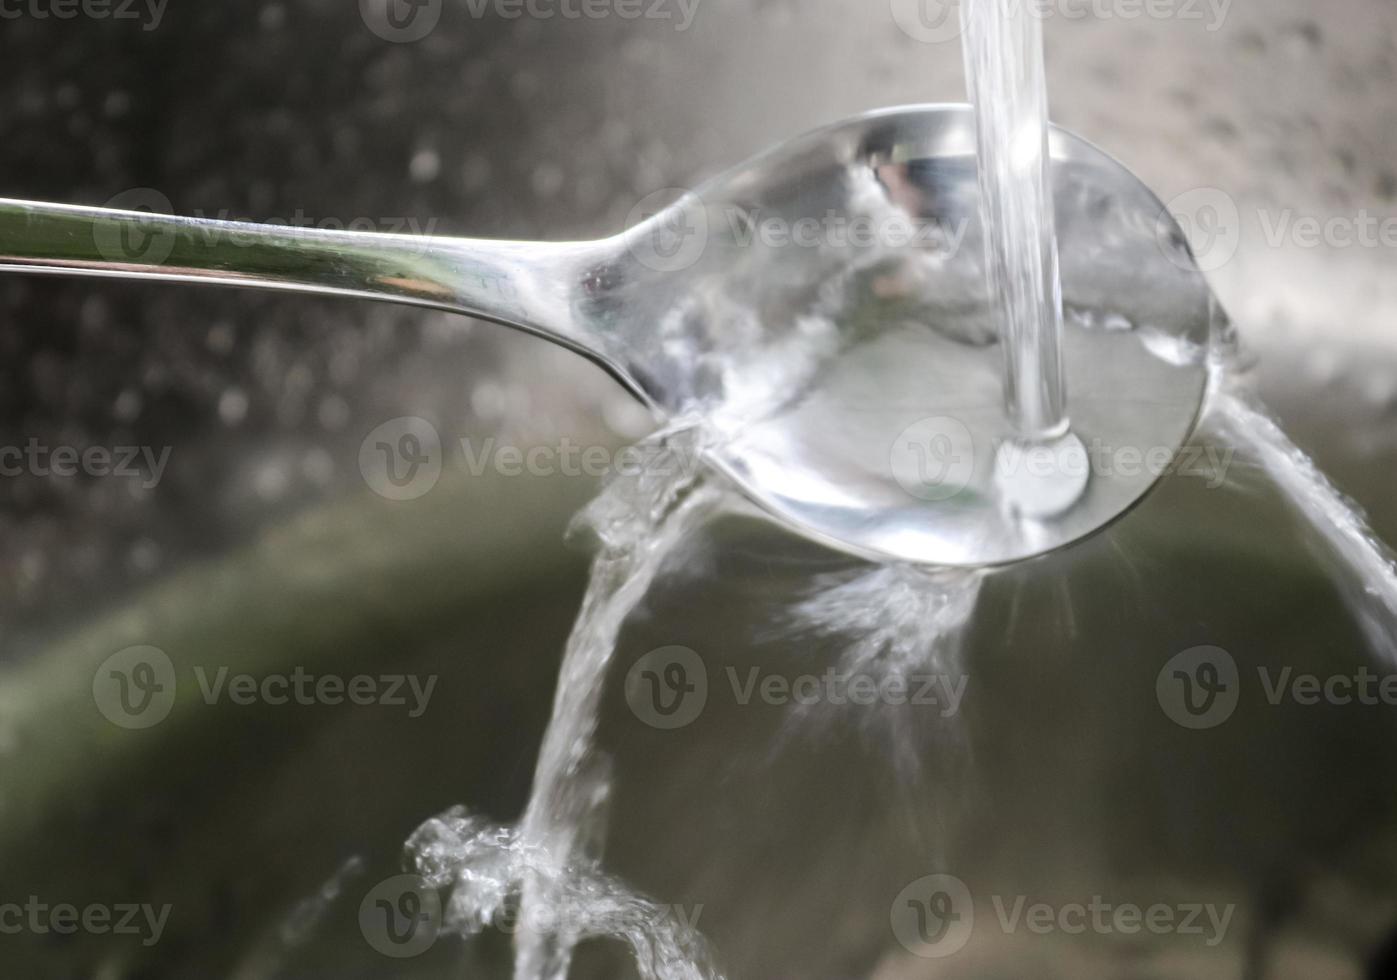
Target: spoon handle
[[528, 285]]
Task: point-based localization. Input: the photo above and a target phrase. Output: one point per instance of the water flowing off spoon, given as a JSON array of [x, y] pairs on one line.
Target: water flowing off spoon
[[822, 308]]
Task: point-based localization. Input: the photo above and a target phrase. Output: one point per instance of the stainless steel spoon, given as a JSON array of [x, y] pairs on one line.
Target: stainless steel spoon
[[820, 308]]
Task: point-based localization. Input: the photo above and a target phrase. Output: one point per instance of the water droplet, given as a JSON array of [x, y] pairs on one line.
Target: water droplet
[[488, 400], [425, 166], [232, 406], [118, 104], [271, 480], [220, 338], [128, 405], [144, 556]]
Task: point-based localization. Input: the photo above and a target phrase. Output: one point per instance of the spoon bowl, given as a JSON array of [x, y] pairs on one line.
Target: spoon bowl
[[820, 311]]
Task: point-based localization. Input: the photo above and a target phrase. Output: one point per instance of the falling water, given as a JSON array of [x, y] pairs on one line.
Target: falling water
[[483, 866], [550, 864], [639, 523], [1235, 416], [1003, 45]]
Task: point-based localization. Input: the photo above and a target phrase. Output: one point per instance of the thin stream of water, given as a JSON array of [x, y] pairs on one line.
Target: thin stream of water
[[1235, 416], [1003, 49], [639, 524]]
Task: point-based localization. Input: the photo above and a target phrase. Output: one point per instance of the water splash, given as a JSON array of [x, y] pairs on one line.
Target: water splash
[[483, 864], [894, 623], [1235, 415]]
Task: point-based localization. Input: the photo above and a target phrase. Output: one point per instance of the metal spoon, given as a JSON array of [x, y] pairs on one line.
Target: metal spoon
[[821, 308]]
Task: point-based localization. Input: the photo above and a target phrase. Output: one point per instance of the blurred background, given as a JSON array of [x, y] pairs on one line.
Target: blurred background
[[249, 534]]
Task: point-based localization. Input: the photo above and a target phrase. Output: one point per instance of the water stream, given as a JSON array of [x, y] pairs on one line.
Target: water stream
[[1237, 419], [546, 874], [1004, 76]]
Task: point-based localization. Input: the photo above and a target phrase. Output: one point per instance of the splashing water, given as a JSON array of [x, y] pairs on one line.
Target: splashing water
[[1234, 415], [900, 622], [551, 862], [482, 864]]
